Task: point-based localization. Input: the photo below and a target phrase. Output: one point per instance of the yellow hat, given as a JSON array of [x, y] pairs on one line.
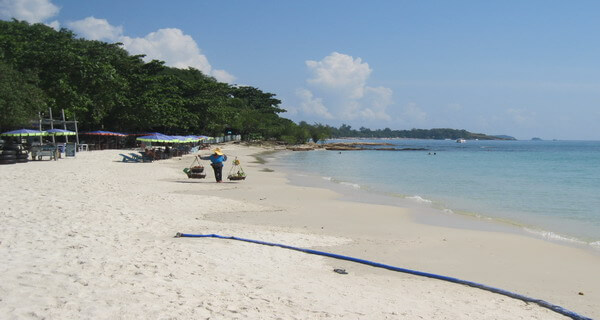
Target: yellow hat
[[218, 151]]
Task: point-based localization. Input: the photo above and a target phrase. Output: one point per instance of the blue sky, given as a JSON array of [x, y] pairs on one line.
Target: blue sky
[[522, 68]]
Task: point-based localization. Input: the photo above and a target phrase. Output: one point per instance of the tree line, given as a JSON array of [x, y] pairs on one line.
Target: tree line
[[346, 131], [104, 87]]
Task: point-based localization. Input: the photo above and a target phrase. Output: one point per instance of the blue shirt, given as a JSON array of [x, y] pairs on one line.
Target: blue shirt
[[215, 158]]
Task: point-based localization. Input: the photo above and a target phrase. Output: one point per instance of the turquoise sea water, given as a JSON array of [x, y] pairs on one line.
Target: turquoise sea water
[[549, 188]]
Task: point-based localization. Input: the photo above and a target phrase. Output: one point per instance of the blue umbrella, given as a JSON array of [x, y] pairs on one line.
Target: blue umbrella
[[105, 133], [23, 132], [193, 138], [60, 132], [156, 137], [182, 139]]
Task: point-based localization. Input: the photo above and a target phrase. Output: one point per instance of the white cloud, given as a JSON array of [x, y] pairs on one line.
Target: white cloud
[[96, 29], [222, 75], [176, 49], [170, 45], [311, 105], [338, 90], [412, 113], [54, 25], [340, 72], [32, 11], [376, 101]]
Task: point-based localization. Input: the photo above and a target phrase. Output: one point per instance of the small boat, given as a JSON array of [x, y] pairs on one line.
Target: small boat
[[461, 140]]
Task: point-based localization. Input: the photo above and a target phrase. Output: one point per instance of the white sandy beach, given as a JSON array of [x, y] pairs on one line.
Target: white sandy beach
[[93, 237]]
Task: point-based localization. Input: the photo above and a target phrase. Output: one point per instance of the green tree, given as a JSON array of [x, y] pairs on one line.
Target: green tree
[[20, 98]]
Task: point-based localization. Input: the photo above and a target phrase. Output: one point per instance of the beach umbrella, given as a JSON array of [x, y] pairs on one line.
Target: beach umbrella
[[193, 138], [156, 137], [23, 133], [199, 137], [105, 133], [60, 132], [183, 139]]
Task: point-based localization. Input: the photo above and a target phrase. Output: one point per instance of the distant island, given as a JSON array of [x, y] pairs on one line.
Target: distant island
[[346, 131], [505, 137]]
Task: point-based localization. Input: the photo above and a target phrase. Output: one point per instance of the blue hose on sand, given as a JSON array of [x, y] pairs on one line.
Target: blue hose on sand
[[539, 302]]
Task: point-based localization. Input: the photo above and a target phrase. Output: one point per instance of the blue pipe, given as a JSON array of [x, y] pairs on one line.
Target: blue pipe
[[542, 303]]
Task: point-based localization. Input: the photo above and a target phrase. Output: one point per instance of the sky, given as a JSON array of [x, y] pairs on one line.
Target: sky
[[519, 68]]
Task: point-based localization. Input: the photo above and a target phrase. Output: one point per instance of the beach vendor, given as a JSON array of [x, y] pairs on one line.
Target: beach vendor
[[216, 162]]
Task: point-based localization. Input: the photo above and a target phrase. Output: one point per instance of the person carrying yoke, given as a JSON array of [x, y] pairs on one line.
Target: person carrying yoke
[[216, 162]]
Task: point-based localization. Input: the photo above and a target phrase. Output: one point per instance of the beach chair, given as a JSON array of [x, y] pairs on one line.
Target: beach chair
[[127, 158], [141, 157]]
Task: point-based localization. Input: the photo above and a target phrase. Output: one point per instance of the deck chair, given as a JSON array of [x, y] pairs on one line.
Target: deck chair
[[127, 158], [141, 157]]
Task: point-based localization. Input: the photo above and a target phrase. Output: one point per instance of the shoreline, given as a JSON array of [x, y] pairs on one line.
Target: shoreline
[[427, 212], [106, 249], [516, 238], [479, 220]]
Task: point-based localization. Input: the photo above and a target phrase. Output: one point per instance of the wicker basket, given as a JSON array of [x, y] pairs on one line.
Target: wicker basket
[[197, 169]]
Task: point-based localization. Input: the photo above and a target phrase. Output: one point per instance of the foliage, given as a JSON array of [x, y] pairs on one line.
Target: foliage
[[20, 98], [107, 88], [316, 132]]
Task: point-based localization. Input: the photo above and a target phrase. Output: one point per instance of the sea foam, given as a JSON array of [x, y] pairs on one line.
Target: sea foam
[[353, 185], [557, 237], [419, 199]]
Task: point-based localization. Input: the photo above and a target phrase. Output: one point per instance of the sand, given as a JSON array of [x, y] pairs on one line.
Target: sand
[[93, 237]]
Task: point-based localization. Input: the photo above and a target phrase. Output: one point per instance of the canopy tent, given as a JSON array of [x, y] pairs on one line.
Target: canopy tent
[[185, 139], [198, 138], [24, 133], [105, 133], [60, 132], [101, 139], [157, 137]]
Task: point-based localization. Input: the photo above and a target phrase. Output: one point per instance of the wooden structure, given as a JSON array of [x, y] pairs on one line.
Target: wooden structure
[[51, 121]]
